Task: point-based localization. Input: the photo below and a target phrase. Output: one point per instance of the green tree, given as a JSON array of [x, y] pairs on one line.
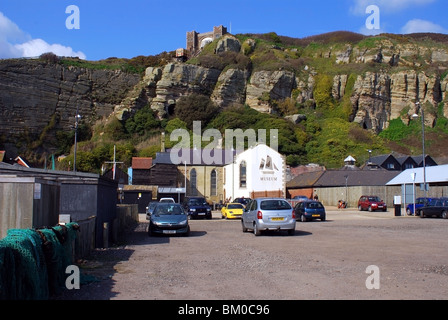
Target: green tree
[[142, 122], [195, 107]]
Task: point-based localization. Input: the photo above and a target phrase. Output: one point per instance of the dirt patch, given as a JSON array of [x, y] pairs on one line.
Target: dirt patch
[[323, 260]]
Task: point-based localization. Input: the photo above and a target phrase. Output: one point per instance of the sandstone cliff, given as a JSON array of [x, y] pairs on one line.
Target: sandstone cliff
[[389, 75], [33, 92]]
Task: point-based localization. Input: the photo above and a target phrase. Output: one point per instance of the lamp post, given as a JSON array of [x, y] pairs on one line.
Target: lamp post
[[415, 116], [413, 189], [77, 118]]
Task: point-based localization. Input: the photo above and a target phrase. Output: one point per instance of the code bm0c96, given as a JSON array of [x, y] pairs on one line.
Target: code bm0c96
[[245, 309]]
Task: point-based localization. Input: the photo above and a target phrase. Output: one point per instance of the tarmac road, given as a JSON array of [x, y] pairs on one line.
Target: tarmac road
[[405, 258]]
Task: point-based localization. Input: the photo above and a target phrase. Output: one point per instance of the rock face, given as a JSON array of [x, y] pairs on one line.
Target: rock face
[[33, 92], [371, 101], [265, 86], [230, 88], [182, 79], [396, 75], [379, 97], [228, 43]]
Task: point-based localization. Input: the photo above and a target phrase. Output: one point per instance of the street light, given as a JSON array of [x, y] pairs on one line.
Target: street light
[[415, 116], [413, 174], [77, 118]]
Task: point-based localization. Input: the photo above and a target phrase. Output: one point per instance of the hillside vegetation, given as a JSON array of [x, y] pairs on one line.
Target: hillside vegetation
[[326, 135]]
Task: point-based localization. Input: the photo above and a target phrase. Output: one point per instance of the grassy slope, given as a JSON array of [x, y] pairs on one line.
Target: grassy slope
[[326, 137]]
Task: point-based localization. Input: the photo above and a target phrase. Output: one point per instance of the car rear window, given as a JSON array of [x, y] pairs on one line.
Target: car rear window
[[315, 205], [275, 205]]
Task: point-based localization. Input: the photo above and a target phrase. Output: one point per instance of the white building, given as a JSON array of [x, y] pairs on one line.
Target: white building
[[260, 171]]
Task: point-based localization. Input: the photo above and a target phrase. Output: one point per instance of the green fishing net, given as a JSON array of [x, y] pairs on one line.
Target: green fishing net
[[33, 262]]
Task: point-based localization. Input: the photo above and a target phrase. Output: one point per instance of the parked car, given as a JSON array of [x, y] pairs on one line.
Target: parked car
[[232, 211], [268, 214], [244, 201], [300, 198], [150, 208], [371, 203], [419, 203], [437, 207], [168, 218], [197, 207], [309, 210], [169, 200]]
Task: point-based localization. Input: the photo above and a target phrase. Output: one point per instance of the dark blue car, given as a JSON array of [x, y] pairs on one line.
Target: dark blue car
[[309, 210], [437, 207], [419, 203], [168, 218], [197, 207]]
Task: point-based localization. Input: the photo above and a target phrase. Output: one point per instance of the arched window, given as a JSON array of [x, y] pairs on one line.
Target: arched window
[[193, 185], [213, 183], [243, 174]]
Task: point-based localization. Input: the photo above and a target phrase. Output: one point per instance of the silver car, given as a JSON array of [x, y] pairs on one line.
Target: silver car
[[268, 214]]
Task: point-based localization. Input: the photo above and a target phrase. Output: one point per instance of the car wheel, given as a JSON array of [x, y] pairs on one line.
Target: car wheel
[[422, 214], [408, 212], [223, 216], [187, 234], [149, 231], [303, 218], [242, 225], [444, 214], [323, 218], [256, 230], [359, 208], [370, 209]]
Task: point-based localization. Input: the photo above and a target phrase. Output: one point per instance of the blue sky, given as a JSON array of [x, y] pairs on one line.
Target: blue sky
[[130, 28]]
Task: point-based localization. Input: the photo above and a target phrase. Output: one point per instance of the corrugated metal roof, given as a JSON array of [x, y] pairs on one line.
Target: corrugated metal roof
[[217, 157], [434, 174], [305, 179], [337, 178]]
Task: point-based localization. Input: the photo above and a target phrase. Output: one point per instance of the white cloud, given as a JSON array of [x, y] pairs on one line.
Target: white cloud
[[15, 43], [359, 6], [36, 47], [417, 25]]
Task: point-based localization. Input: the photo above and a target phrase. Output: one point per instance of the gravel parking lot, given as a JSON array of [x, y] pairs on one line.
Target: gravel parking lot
[[323, 260]]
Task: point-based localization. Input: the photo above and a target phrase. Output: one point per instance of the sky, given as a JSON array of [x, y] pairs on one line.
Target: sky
[[99, 29]]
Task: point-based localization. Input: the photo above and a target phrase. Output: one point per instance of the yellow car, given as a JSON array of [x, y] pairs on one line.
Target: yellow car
[[232, 211]]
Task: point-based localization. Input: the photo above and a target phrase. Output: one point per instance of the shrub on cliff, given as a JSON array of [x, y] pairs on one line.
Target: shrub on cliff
[[195, 107]]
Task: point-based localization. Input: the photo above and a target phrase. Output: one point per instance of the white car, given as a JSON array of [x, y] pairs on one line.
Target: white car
[[167, 200]]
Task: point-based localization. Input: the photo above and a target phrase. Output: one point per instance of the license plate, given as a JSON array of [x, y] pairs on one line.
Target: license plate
[[169, 231], [201, 213], [277, 219], [316, 215]]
